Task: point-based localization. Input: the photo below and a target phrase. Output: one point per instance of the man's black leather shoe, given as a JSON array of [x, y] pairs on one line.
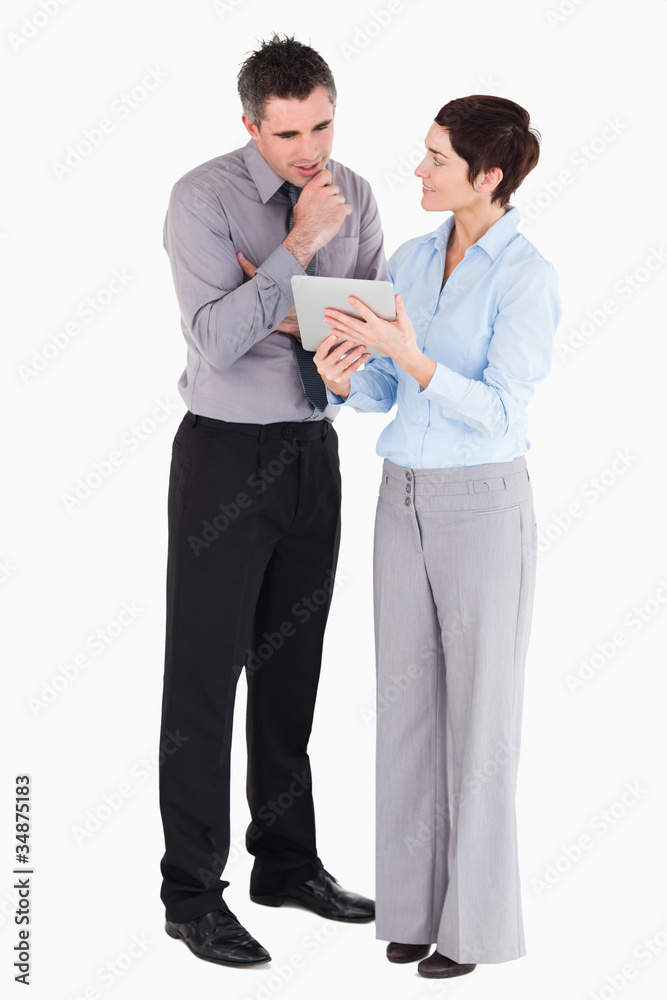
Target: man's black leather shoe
[[219, 937], [324, 895]]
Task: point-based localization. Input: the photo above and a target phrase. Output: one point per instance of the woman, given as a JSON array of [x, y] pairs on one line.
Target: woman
[[455, 539]]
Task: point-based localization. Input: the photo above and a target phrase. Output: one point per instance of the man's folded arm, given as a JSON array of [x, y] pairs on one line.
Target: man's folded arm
[[225, 312]]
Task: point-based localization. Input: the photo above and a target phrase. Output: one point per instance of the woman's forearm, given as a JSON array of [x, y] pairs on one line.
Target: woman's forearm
[[416, 364]]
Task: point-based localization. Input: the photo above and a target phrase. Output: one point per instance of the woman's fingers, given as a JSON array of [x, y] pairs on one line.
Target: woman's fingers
[[349, 364], [348, 324], [362, 308], [329, 350], [342, 356], [360, 361], [338, 362], [323, 350], [351, 357]]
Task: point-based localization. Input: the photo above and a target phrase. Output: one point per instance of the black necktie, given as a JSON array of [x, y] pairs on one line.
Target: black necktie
[[311, 380]]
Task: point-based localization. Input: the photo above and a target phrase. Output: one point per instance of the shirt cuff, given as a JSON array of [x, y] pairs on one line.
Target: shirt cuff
[[281, 266], [333, 399], [446, 385]]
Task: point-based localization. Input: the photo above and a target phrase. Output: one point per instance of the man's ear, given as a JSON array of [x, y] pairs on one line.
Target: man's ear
[[250, 126]]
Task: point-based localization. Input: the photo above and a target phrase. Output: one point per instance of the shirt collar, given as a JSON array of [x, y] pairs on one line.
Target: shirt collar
[[266, 180], [494, 240]]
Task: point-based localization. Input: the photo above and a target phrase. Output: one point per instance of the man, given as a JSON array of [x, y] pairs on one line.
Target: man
[[254, 499]]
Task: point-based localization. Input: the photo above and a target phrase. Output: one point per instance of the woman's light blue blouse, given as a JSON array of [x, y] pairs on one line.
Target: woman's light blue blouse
[[490, 330]]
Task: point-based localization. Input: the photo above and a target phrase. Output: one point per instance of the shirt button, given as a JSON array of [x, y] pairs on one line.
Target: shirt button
[[408, 488], [288, 431], [386, 479], [408, 476], [407, 501]]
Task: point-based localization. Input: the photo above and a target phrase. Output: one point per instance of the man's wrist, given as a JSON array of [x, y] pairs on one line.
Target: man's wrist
[[301, 248]]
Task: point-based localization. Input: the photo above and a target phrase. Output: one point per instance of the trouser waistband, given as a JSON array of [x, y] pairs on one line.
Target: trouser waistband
[[300, 430], [458, 479]]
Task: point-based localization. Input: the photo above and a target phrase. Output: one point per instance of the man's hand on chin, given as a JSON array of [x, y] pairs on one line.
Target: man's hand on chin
[[290, 324]]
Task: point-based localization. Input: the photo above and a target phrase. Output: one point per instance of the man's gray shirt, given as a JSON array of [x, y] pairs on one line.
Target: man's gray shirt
[[239, 368]]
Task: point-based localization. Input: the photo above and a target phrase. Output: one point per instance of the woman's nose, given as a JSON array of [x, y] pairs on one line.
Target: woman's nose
[[419, 169]]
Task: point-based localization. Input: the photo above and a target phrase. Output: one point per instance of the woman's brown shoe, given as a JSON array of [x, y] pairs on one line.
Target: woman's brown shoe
[[406, 952], [439, 967]]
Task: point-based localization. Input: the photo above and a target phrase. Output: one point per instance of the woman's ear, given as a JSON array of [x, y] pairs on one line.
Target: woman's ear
[[488, 180]]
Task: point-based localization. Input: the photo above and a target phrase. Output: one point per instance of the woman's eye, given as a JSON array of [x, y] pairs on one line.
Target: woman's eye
[[437, 162]]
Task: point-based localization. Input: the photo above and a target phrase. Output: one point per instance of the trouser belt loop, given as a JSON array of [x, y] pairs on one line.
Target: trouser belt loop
[[516, 479]]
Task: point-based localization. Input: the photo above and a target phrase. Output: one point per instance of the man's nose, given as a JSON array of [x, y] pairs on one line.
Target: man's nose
[[308, 151]]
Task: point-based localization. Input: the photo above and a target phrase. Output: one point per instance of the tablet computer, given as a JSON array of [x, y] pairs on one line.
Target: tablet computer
[[313, 295]]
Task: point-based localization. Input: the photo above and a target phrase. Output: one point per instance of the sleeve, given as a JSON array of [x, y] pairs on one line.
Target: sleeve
[[371, 263], [519, 356], [224, 312], [373, 389]]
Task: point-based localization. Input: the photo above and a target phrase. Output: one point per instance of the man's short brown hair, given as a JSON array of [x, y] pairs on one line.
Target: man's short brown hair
[[282, 68]]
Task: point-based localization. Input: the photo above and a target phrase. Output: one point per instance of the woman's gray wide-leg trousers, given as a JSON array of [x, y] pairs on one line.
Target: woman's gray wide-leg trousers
[[454, 571]]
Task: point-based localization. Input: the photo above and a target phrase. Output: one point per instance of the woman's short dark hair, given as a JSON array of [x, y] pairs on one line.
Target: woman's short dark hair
[[488, 131], [282, 68]]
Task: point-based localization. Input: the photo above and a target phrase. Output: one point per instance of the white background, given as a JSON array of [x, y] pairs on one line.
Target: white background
[[595, 207]]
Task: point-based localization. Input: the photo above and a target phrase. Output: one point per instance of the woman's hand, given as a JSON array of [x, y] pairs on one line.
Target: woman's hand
[[336, 369], [395, 338]]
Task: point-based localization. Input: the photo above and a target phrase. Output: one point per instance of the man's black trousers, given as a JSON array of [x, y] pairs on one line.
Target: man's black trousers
[[254, 527]]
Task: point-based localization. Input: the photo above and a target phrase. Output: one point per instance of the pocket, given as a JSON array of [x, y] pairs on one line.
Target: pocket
[[496, 510], [338, 258], [194, 463]]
